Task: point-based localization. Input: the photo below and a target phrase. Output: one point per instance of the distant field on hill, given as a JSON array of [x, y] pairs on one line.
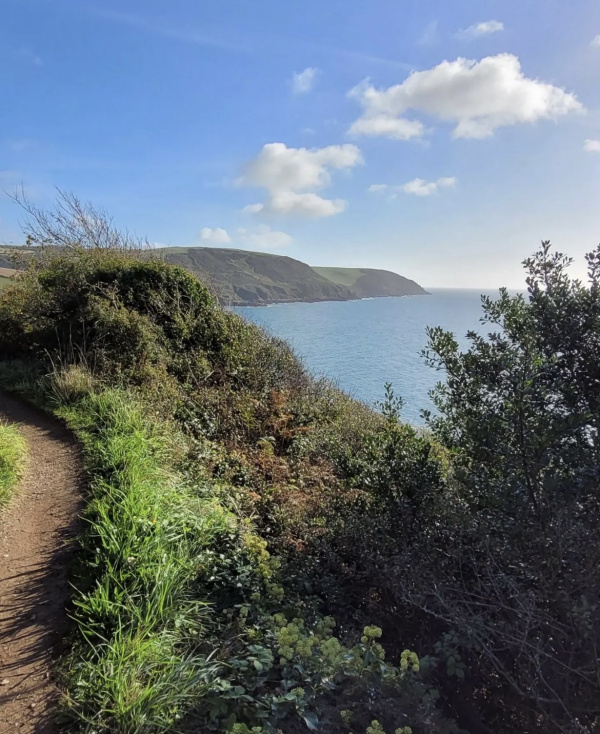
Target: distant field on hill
[[343, 276], [371, 283], [5, 276]]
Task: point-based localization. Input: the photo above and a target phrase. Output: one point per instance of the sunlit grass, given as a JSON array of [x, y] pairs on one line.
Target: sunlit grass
[[13, 449], [137, 661]]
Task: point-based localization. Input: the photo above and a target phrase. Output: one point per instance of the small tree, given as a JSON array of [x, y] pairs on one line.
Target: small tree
[[74, 224], [519, 581]]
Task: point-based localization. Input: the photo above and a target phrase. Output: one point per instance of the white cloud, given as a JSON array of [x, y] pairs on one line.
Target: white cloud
[[290, 176], [217, 236], [265, 238], [304, 81], [591, 146], [482, 29], [480, 96], [253, 208], [310, 206], [398, 128], [596, 42], [418, 187], [278, 167]]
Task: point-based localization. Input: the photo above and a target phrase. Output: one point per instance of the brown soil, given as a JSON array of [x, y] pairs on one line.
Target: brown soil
[[35, 530], [8, 272]]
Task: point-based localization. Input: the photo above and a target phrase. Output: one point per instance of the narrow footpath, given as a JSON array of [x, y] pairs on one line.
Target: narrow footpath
[[35, 551]]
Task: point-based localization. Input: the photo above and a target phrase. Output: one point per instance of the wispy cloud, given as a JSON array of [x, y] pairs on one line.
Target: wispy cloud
[[417, 187], [364, 58], [596, 42], [429, 35], [482, 29], [21, 144], [216, 235], [265, 238], [223, 40], [29, 57], [10, 178], [158, 27], [591, 146], [304, 81]]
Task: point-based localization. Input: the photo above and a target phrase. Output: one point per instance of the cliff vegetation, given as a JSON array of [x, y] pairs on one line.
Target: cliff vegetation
[[263, 554]]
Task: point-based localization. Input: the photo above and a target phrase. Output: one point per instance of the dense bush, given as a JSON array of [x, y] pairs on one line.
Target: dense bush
[[486, 551], [519, 583]]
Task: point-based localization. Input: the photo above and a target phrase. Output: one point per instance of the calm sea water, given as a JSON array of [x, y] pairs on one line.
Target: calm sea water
[[364, 344]]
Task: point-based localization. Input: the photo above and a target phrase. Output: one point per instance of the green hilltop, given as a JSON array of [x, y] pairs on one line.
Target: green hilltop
[[6, 275], [371, 283]]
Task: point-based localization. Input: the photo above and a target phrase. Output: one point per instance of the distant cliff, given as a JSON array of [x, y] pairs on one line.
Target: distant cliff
[[244, 278], [370, 283]]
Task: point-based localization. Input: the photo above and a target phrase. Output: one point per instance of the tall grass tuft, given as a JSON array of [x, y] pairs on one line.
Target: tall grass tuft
[[139, 658], [13, 450]]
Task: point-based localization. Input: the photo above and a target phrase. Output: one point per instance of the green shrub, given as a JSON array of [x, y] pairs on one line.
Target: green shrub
[[512, 577]]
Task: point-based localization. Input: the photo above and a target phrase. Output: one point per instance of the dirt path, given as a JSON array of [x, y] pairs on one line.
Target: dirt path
[[34, 557]]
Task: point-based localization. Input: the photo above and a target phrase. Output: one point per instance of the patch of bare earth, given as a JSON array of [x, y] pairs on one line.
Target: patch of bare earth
[[35, 551]]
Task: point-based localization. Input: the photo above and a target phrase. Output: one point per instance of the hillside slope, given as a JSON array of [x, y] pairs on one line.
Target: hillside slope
[[371, 283], [253, 278]]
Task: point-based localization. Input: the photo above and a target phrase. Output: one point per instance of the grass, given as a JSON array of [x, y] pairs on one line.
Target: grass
[[4, 282], [13, 450], [136, 663], [341, 276]]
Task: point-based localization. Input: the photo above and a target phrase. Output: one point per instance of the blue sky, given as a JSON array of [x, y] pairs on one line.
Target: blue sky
[[440, 140]]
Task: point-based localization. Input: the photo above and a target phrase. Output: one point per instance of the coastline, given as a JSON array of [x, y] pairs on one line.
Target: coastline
[[265, 304]]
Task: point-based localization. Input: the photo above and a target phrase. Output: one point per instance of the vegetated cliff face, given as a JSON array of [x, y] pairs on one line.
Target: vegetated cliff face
[[247, 278]]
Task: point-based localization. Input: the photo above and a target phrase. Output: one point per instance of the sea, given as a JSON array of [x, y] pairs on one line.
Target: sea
[[362, 345]]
